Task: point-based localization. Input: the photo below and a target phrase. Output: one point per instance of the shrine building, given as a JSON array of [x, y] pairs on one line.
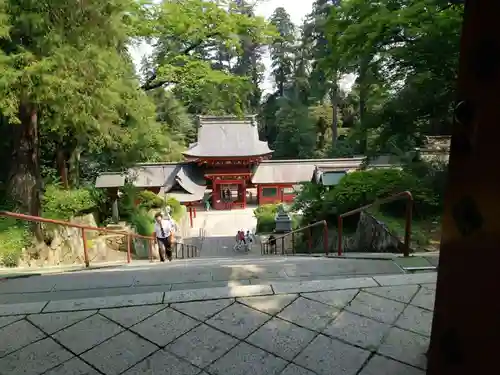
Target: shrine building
[[229, 166]]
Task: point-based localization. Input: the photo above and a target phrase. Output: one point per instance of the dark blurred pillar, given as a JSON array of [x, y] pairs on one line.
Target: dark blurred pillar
[[466, 329]]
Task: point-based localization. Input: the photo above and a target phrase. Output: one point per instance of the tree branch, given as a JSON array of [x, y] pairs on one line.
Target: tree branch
[[151, 85]]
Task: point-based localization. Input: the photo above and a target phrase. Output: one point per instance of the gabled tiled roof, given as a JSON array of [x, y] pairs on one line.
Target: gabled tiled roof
[[110, 180], [297, 171], [227, 137], [183, 181]]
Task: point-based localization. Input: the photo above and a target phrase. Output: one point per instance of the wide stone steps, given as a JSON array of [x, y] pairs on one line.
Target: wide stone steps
[[192, 274]]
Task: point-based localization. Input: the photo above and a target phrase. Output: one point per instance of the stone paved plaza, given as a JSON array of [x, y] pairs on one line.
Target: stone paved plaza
[[377, 325]]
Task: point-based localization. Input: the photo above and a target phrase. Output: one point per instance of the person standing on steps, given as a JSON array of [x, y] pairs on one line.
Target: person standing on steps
[[164, 230]]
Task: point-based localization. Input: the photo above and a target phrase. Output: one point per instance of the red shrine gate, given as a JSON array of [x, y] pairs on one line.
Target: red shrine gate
[[229, 180]]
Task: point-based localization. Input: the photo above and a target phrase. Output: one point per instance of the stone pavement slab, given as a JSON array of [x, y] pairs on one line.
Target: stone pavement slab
[[202, 345], [87, 333], [35, 358], [74, 366], [402, 294], [327, 356], [377, 308], [119, 353], [281, 338], [337, 298], [383, 366], [238, 320], [204, 309], [164, 363], [358, 330], [17, 335], [425, 298], [22, 308], [405, 346], [315, 329], [247, 360], [309, 314], [272, 304], [165, 326], [53, 322]]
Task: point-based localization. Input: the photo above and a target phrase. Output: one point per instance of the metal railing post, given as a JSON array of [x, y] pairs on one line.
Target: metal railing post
[[309, 240], [85, 249], [409, 217], [129, 248], [339, 236], [325, 238]]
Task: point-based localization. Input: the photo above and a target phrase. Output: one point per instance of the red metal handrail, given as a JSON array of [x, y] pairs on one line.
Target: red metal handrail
[[292, 233], [409, 213], [83, 229]]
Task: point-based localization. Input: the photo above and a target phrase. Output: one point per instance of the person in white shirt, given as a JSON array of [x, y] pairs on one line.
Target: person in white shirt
[[164, 230]]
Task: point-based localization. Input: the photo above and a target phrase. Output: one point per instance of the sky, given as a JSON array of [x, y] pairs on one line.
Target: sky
[[297, 9]]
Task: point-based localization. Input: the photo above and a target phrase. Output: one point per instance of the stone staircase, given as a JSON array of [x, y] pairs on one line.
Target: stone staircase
[[188, 274]]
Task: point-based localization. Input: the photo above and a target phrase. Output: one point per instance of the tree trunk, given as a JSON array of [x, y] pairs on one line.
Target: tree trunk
[[363, 95], [25, 182], [61, 166], [74, 166], [334, 98]]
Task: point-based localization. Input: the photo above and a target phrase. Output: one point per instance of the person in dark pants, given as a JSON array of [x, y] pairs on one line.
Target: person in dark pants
[[164, 229], [272, 243]]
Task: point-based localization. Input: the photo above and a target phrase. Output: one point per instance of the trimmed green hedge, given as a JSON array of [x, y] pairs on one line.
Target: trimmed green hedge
[[62, 204], [266, 215], [364, 187], [149, 200]]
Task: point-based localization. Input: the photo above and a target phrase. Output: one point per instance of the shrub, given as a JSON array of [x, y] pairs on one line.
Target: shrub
[[177, 209], [14, 236], [63, 204], [150, 200], [266, 215], [143, 222], [364, 187]]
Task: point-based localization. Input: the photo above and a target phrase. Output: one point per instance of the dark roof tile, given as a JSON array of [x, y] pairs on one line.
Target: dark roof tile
[[226, 137]]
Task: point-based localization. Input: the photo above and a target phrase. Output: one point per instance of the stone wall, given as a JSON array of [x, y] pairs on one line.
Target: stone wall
[[371, 236], [64, 245]]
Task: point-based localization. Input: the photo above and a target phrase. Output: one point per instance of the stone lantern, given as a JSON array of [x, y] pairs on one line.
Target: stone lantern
[[283, 221]]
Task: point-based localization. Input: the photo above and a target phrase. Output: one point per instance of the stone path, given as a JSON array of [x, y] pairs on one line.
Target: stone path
[[220, 231], [359, 326]]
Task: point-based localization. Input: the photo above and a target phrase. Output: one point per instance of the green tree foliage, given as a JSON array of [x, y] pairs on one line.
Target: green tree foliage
[[67, 80], [195, 44], [405, 55], [296, 137], [401, 55]]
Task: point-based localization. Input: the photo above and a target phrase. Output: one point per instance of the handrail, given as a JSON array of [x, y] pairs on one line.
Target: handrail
[[392, 198], [292, 233], [98, 229]]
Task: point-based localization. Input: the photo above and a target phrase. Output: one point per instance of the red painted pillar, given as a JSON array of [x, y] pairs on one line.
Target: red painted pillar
[[194, 212], [244, 192], [191, 216]]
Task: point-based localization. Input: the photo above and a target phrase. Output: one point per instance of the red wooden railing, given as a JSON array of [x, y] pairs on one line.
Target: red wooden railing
[[192, 251], [409, 213], [268, 247]]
